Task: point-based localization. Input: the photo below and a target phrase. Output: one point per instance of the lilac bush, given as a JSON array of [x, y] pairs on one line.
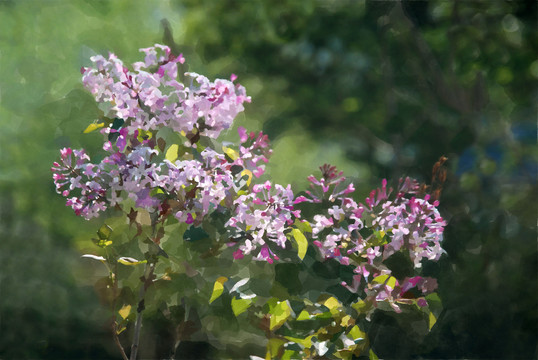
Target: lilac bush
[[164, 166]]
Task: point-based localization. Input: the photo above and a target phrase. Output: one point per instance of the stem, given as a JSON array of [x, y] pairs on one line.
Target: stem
[[117, 341], [114, 298], [147, 280]]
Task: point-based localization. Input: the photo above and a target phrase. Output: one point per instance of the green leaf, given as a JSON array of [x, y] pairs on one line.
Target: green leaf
[[303, 225], [362, 306], [104, 232], [117, 123], [95, 257], [125, 311], [333, 305], [304, 315], [385, 279], [129, 261], [195, 233], [273, 347], [172, 153], [93, 127], [306, 342], [232, 154], [279, 314], [239, 306], [218, 288], [302, 243], [248, 173], [356, 333], [144, 135], [432, 320], [372, 355]]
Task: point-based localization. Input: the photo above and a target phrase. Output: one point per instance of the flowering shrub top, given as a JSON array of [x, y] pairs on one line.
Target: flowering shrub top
[[163, 165]]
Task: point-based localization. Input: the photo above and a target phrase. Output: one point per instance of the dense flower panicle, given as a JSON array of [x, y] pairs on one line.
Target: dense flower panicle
[[254, 151], [394, 222], [149, 100], [75, 175], [261, 216]]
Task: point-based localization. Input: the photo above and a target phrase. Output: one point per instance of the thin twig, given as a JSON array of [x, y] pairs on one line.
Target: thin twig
[[147, 281], [114, 322], [117, 340]]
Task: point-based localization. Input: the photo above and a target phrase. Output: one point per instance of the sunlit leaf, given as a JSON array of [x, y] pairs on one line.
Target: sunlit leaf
[[302, 243], [248, 173], [279, 314], [385, 279], [356, 333], [120, 329], [93, 127], [306, 342], [372, 355], [129, 261], [95, 257], [239, 306], [273, 347], [125, 311], [218, 288], [432, 320], [304, 315], [232, 154], [144, 135], [346, 321], [362, 306], [172, 153], [333, 305]]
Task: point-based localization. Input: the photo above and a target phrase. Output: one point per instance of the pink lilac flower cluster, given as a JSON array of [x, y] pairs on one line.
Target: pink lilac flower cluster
[[151, 97], [364, 235], [263, 216], [75, 175], [192, 184]]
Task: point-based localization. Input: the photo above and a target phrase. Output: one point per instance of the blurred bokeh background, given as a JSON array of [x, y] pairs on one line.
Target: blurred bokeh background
[[378, 88]]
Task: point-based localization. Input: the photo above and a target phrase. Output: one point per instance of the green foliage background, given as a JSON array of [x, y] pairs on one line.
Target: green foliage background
[[378, 88]]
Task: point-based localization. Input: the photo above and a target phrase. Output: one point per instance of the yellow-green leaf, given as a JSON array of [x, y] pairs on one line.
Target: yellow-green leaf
[[332, 304], [361, 306], [385, 279], [129, 261], [120, 329], [239, 306], [144, 135], [302, 244], [306, 342], [230, 152], [279, 314], [346, 321], [372, 355], [93, 127], [304, 315], [273, 347], [356, 333], [433, 320], [249, 174], [125, 311], [218, 288], [172, 153]]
